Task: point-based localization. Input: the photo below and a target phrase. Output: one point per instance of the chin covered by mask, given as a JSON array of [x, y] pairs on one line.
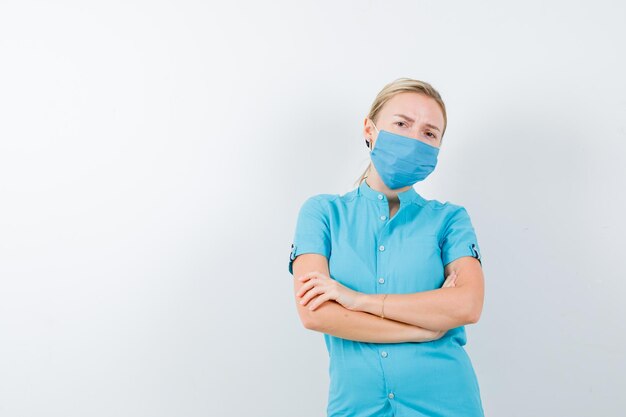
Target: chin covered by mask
[[401, 160]]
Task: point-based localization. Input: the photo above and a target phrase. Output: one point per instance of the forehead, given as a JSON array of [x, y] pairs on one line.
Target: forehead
[[415, 105]]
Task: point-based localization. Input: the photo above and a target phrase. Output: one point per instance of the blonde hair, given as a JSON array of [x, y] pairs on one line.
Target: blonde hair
[[402, 85]]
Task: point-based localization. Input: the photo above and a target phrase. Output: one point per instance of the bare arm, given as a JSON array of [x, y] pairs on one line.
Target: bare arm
[[334, 319], [440, 309]]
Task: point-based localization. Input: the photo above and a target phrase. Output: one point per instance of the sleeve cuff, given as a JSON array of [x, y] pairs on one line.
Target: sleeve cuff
[[470, 249], [299, 250]]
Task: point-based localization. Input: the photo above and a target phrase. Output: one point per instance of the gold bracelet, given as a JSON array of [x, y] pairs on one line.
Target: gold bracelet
[[382, 314]]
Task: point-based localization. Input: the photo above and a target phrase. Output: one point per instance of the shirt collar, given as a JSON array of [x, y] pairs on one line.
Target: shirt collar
[[406, 196]]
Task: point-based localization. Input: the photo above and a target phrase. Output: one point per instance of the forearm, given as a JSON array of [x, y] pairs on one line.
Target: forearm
[[440, 309], [332, 318]]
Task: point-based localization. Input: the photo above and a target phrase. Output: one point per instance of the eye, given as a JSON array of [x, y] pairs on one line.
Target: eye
[[432, 135], [398, 123]]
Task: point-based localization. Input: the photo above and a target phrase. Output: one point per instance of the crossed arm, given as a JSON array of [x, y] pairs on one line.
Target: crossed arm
[[440, 309], [415, 317], [334, 319]]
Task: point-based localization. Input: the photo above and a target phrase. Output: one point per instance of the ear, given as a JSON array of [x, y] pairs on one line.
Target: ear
[[366, 129], [368, 132]]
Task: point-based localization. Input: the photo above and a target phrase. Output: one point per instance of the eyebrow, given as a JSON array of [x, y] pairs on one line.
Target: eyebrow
[[412, 121]]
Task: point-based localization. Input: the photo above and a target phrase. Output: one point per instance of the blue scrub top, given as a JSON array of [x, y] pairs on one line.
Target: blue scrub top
[[371, 253]]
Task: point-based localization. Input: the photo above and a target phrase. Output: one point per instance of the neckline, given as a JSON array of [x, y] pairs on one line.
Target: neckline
[[406, 196]]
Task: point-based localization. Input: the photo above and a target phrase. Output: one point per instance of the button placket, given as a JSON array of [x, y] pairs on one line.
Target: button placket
[[382, 247], [384, 209], [383, 217]]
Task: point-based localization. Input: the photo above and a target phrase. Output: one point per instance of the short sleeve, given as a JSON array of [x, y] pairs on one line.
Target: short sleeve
[[312, 233], [459, 237]]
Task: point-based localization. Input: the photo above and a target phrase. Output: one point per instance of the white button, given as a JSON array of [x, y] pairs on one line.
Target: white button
[[381, 248], [383, 217], [391, 395], [383, 354], [381, 280], [380, 196]]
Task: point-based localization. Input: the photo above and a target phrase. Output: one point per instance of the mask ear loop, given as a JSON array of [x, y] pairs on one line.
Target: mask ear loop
[[369, 144]]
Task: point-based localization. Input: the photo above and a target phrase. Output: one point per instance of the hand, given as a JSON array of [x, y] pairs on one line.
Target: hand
[[324, 288], [427, 335], [450, 280]]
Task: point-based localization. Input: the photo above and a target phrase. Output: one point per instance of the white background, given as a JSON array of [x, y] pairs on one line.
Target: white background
[[154, 155]]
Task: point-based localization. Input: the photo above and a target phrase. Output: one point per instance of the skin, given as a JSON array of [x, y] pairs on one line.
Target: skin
[[326, 305], [333, 318], [408, 114]]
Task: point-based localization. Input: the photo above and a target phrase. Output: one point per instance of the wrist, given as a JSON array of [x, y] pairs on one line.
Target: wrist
[[370, 303]]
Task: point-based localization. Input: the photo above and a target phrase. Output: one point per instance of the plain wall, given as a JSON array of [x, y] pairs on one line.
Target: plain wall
[[153, 157]]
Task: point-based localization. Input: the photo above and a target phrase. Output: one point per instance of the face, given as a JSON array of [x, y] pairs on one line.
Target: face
[[409, 114]]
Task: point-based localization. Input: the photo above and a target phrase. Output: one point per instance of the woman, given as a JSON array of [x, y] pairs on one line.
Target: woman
[[369, 268]]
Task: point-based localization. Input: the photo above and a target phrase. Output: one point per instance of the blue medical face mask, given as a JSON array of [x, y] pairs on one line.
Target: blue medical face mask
[[401, 160]]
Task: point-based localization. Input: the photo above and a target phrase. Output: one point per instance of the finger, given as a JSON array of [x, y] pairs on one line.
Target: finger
[[314, 274], [319, 300], [305, 294], [304, 278], [452, 275], [310, 274], [310, 294], [450, 281], [309, 284], [304, 288]]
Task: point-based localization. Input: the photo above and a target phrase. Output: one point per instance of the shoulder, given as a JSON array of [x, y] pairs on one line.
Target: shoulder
[[444, 207], [446, 212], [328, 205], [452, 208], [320, 199], [318, 204], [455, 217], [329, 200], [453, 212]]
